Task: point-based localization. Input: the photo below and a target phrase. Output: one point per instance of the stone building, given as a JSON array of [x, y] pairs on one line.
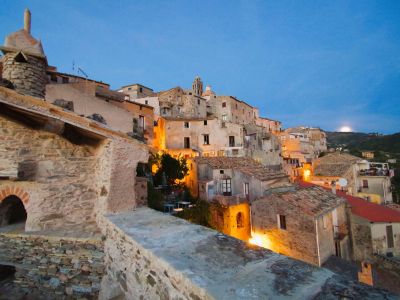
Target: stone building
[[24, 63], [137, 91], [66, 170], [262, 145], [205, 136], [300, 147], [231, 109], [307, 223], [231, 184], [180, 103], [375, 229], [94, 99], [365, 179]]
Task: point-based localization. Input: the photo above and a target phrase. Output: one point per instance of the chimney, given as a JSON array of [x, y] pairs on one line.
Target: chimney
[[27, 20]]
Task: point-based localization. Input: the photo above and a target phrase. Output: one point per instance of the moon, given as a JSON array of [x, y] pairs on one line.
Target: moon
[[345, 129]]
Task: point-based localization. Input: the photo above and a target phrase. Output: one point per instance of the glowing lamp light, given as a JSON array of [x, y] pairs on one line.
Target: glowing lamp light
[[259, 240], [306, 174]]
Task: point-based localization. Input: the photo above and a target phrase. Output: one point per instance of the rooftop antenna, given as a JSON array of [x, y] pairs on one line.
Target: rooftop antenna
[[83, 73]]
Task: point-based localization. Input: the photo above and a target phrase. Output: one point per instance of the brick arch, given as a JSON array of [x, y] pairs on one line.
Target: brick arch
[[14, 191]]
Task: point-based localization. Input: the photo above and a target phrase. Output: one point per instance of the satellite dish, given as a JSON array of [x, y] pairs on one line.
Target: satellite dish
[[342, 182]]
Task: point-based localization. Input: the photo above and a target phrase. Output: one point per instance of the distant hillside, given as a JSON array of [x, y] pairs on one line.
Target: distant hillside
[[365, 141]]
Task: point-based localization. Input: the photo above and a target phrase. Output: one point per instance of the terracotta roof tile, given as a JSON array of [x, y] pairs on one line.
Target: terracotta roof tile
[[245, 165], [312, 200]]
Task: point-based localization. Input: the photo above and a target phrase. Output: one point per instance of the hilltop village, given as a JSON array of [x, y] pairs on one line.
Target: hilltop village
[[77, 167]]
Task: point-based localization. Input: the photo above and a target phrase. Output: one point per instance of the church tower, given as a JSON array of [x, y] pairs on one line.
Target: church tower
[[197, 86], [24, 61]]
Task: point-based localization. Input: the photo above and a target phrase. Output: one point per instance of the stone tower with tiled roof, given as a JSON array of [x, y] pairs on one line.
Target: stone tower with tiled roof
[[24, 61]]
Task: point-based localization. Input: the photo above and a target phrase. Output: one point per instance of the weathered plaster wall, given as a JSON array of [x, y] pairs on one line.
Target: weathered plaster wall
[[379, 238], [57, 266], [86, 104], [361, 238]]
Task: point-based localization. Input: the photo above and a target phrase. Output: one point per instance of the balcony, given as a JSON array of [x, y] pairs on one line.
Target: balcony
[[374, 172], [230, 200]]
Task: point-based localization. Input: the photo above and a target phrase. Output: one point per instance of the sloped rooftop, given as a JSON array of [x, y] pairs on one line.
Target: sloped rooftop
[[245, 165], [334, 164], [312, 200]]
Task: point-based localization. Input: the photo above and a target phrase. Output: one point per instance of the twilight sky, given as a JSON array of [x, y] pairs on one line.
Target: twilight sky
[[315, 63]]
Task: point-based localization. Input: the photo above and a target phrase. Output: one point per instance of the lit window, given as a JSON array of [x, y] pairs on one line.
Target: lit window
[[206, 139]]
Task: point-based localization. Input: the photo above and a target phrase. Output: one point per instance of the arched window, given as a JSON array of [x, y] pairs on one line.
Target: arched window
[[239, 220], [12, 211]]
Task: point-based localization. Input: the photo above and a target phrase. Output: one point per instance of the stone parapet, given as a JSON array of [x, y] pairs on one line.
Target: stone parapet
[[150, 255]]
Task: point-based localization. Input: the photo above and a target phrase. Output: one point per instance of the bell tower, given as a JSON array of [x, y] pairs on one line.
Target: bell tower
[[197, 86]]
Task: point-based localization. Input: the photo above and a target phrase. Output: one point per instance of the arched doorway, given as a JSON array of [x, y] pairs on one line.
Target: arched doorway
[[12, 211]]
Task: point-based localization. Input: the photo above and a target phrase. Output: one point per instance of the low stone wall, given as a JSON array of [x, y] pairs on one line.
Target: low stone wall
[[58, 267]]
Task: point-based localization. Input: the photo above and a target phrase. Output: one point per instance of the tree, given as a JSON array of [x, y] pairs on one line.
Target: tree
[[169, 168]]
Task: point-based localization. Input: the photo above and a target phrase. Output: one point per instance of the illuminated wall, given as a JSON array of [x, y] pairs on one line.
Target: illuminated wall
[[233, 220]]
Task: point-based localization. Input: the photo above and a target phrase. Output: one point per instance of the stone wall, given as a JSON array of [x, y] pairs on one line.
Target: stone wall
[[53, 172], [150, 255], [67, 183], [56, 266], [361, 238], [28, 77], [298, 240]]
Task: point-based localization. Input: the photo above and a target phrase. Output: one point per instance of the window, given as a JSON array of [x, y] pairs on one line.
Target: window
[[239, 220], [223, 117], [226, 187], [186, 142], [231, 141], [186, 124], [236, 105], [389, 235], [141, 122], [325, 221], [223, 104], [235, 152], [164, 110], [221, 171], [146, 102], [205, 122], [246, 189], [198, 101], [206, 138], [282, 222], [129, 89], [140, 90], [365, 183]]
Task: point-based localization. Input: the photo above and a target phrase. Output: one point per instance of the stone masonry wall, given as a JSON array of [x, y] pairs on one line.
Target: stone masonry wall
[[287, 242], [29, 77], [57, 267], [132, 272], [56, 174]]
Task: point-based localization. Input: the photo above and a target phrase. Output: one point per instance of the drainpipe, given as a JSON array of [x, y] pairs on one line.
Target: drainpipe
[[316, 232]]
